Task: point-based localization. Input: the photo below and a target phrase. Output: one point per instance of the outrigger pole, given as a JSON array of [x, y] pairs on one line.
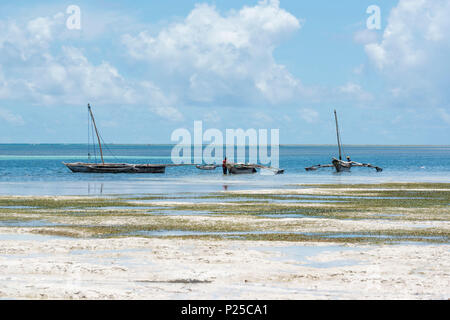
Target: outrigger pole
[[96, 132]]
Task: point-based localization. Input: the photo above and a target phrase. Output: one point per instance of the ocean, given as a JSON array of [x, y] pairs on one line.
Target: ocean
[[37, 169]]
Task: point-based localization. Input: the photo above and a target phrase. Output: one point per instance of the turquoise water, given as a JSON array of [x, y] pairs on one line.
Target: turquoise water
[[38, 169]]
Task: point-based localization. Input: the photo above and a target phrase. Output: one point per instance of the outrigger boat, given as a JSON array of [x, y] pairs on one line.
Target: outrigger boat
[[339, 164], [112, 167], [240, 168]]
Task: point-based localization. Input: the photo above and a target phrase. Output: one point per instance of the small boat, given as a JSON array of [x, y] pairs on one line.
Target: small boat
[[206, 166], [240, 168], [112, 167], [339, 164], [249, 168]]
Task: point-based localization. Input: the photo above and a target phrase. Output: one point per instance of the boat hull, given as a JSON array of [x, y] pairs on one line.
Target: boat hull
[[206, 167], [341, 166], [241, 170], [114, 168]]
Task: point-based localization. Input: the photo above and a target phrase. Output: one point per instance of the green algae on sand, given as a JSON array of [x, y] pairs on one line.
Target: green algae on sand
[[349, 210]]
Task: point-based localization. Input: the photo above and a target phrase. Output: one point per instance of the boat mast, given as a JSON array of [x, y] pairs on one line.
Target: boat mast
[[337, 134], [96, 132]]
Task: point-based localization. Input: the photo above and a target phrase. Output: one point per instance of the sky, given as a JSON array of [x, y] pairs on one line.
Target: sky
[[150, 67]]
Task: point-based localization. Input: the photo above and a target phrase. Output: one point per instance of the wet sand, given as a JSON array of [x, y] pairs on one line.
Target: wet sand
[[47, 267], [230, 245]]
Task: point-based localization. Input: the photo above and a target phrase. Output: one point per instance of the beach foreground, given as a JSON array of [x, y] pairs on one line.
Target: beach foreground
[[386, 241], [138, 268]]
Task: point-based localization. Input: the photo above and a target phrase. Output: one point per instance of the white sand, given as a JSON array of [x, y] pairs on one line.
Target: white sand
[[37, 267]]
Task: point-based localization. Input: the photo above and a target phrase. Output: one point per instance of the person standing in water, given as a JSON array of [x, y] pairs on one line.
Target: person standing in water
[[224, 165]]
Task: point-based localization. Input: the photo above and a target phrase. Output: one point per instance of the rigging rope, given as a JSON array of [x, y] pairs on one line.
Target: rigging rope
[[342, 145], [106, 146], [93, 142], [91, 135]]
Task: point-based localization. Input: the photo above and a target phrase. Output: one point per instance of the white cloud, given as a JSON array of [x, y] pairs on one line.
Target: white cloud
[[309, 115], [359, 69], [4, 90], [217, 55], [411, 24], [41, 29], [25, 40], [161, 104], [354, 91], [10, 117], [414, 49], [211, 116], [32, 71], [262, 117], [72, 79], [167, 112], [365, 36], [445, 116]]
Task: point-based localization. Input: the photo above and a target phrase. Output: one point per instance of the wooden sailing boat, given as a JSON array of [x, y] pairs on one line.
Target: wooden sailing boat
[[339, 164], [241, 168], [245, 168], [112, 167]]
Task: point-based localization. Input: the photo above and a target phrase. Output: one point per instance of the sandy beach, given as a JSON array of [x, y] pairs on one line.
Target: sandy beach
[[301, 243], [46, 267]]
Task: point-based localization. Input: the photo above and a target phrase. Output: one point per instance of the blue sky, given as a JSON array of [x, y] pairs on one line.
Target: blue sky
[[150, 67]]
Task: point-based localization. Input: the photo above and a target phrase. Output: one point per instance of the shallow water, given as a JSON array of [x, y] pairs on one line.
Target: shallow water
[[169, 212], [17, 207], [283, 215], [304, 255], [27, 223], [237, 234], [27, 169]]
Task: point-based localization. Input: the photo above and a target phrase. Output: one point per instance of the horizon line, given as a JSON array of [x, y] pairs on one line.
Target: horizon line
[[206, 144]]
